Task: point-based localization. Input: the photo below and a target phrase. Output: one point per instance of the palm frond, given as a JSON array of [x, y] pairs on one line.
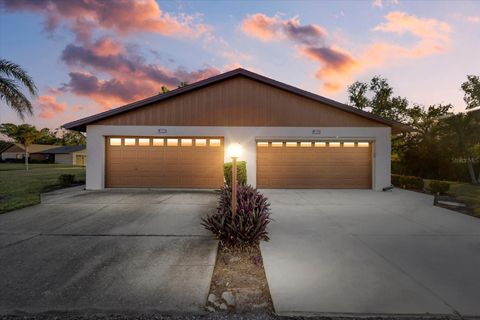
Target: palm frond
[[13, 97], [11, 69]]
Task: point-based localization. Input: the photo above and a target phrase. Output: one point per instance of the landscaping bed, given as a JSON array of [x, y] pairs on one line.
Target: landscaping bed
[[239, 283]]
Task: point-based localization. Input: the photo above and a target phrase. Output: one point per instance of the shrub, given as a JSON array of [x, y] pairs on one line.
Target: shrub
[[396, 180], [66, 179], [407, 182], [438, 187], [249, 226], [241, 172]]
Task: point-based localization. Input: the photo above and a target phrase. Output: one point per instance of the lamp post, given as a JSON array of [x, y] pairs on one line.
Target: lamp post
[[234, 151]]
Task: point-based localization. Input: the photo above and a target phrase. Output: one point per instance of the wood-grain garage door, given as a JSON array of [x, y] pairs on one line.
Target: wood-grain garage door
[[304, 164], [141, 162]]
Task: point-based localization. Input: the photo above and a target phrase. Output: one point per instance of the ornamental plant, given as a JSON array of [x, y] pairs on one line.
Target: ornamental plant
[[249, 225]]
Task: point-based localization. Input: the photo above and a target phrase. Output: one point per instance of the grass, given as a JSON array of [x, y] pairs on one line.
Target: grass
[[21, 188], [32, 166], [468, 193]]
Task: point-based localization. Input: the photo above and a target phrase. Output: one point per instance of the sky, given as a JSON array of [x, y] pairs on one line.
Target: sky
[[88, 56]]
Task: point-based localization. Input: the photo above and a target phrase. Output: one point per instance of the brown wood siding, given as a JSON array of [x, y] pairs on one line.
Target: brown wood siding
[[240, 102], [164, 166], [314, 167]]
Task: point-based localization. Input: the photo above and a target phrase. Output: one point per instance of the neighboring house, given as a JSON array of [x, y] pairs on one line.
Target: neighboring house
[[291, 138], [36, 152], [71, 155]]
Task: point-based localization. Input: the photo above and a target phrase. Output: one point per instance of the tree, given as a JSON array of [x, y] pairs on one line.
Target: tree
[[421, 151], [377, 97], [23, 134], [462, 133], [46, 136], [70, 138], [164, 89], [471, 89], [12, 77]]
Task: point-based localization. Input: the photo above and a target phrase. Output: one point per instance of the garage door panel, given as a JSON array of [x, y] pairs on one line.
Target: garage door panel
[[163, 166], [314, 167]]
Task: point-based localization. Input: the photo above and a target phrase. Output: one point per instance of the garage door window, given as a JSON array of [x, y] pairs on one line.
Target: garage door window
[[320, 144], [262, 144], [172, 142], [115, 141], [291, 144], [143, 142], [214, 142], [305, 144], [201, 142], [187, 142], [363, 144], [276, 144], [158, 142], [129, 142], [349, 144], [334, 144]]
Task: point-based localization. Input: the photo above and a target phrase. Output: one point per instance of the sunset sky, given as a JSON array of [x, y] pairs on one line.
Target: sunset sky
[[90, 56]]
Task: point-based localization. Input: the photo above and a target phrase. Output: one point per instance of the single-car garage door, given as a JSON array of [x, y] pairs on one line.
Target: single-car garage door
[[307, 164], [142, 162]]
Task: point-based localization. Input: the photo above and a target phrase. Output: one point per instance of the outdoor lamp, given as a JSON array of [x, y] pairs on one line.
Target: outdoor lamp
[[234, 151]]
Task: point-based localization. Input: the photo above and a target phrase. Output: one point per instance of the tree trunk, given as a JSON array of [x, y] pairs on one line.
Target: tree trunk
[[26, 157], [471, 171]]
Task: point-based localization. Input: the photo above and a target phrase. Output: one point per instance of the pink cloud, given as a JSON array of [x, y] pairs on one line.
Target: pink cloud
[[125, 17], [273, 28], [49, 106], [337, 66], [129, 76], [474, 19]]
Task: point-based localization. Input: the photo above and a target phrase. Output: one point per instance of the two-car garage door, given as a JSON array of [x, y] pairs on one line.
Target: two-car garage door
[[197, 162], [142, 162], [307, 164]]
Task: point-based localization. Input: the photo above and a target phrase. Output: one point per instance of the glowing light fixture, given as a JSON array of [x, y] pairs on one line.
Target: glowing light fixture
[[235, 150]]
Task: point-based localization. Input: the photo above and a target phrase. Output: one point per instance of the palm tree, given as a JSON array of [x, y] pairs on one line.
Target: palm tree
[[12, 76], [24, 134]]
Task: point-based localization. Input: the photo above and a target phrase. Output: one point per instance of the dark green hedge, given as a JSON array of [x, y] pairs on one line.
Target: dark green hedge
[[440, 187], [407, 182], [241, 172]]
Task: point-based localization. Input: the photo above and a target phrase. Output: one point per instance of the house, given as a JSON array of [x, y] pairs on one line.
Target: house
[[291, 138], [36, 151], [70, 155]]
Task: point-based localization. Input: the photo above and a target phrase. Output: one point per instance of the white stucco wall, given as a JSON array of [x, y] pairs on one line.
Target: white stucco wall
[[246, 136]]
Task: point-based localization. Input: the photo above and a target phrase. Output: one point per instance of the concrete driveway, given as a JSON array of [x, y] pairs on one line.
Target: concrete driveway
[[108, 250], [355, 251]]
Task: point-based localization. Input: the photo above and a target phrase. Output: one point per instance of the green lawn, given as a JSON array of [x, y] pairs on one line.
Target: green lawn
[[467, 193], [21, 166], [20, 188]]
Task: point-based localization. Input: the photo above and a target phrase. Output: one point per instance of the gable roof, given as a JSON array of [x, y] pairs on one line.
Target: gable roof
[[81, 124], [66, 149]]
